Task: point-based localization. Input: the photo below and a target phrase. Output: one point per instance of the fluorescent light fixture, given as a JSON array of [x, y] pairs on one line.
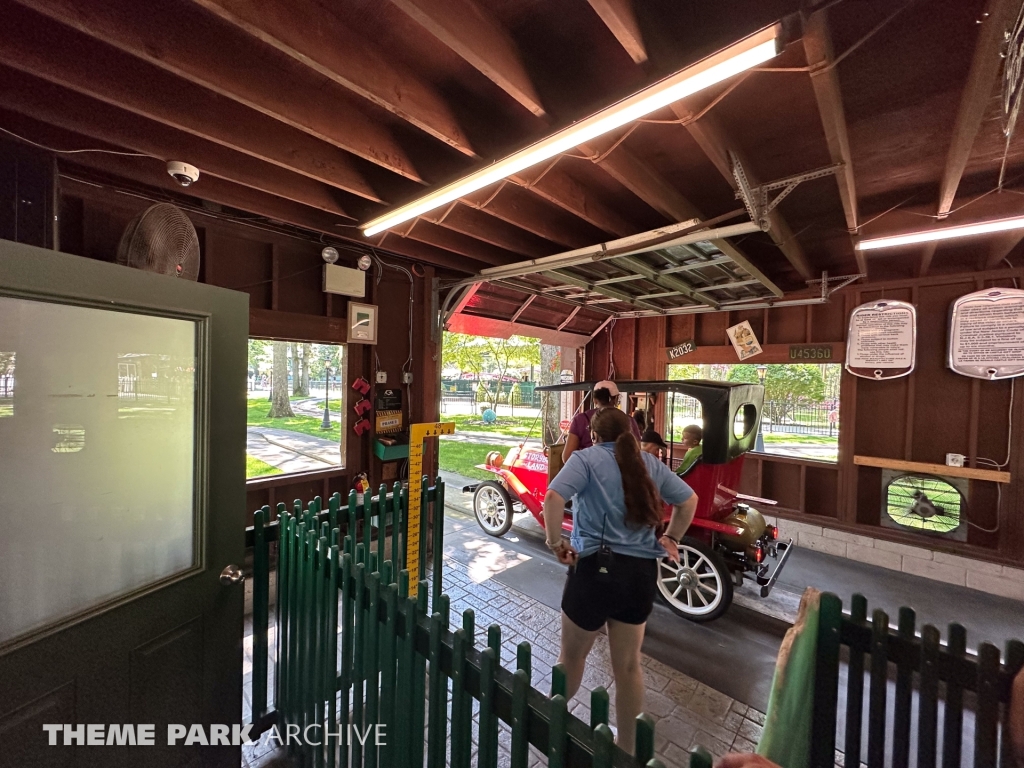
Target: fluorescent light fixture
[[737, 58], [946, 233]]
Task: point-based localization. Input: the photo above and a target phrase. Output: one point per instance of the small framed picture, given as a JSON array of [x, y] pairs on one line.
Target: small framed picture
[[362, 323]]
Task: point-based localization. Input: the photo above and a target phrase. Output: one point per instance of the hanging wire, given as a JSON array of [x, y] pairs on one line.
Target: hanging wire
[[76, 151]]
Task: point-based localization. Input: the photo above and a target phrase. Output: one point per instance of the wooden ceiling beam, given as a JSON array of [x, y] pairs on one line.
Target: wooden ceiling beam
[[817, 42], [64, 58], [529, 212], [927, 256], [217, 57], [713, 139], [419, 251], [976, 96], [558, 187], [620, 18], [1000, 247], [312, 34], [456, 242], [471, 32], [490, 229], [87, 117]]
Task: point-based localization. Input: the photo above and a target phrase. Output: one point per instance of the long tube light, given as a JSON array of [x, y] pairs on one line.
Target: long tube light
[[737, 58], [945, 233]]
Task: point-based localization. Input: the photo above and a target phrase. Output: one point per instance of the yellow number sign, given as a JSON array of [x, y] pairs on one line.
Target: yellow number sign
[[418, 433]]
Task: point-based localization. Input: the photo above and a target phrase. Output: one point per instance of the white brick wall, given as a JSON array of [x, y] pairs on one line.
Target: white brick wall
[[992, 578]]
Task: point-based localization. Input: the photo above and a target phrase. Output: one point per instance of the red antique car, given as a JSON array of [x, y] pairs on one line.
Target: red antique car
[[728, 539]]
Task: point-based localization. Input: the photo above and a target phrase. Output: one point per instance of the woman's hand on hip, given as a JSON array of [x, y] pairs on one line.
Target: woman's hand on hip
[[671, 547], [564, 551]]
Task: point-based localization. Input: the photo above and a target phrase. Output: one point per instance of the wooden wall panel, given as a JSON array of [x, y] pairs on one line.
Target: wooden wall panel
[[828, 321], [680, 328], [881, 417], [941, 412], [786, 325], [710, 330], [781, 482], [650, 333], [241, 264], [821, 491], [299, 280]]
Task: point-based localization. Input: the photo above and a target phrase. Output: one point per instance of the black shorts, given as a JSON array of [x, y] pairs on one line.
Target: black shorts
[[626, 594]]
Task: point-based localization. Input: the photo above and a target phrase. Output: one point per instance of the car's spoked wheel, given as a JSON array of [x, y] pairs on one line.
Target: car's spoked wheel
[[698, 586], [493, 508]]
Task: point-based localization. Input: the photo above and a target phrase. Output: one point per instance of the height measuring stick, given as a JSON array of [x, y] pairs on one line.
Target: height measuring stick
[[418, 433]]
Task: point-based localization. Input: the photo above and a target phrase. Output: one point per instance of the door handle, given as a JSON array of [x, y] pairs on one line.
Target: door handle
[[232, 574]]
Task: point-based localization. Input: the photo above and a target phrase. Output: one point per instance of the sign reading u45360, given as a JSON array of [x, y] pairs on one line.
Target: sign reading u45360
[[810, 352]]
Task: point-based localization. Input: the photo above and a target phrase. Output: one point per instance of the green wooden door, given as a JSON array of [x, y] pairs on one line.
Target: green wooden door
[[122, 493]]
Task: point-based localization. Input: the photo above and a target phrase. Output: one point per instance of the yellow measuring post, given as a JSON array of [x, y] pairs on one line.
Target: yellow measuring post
[[418, 433]]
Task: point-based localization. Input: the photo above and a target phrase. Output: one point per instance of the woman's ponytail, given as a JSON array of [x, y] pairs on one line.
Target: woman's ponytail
[[643, 504]]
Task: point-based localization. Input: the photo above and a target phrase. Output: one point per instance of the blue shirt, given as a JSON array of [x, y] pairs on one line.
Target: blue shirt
[[592, 476]]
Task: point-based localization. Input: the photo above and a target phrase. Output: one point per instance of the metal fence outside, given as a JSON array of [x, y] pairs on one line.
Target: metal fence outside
[[511, 401], [777, 416]]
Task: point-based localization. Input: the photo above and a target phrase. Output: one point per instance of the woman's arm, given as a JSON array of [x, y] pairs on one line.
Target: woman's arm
[[571, 444], [682, 516], [554, 513]]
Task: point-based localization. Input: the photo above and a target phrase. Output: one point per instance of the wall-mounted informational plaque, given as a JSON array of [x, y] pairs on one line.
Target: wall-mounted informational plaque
[[881, 341], [986, 334]]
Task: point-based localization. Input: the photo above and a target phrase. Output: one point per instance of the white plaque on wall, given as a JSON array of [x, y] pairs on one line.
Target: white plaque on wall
[[986, 334], [881, 341]]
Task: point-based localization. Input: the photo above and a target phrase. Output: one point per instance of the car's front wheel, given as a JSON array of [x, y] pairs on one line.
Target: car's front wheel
[[698, 587], [493, 508]]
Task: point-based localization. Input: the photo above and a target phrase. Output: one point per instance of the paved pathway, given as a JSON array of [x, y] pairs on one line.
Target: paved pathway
[[291, 451]]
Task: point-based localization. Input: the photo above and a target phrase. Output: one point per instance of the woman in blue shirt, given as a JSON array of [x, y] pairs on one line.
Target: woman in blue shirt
[[613, 552]]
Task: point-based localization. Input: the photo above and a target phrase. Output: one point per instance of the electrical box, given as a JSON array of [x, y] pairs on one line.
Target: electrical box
[[344, 281], [388, 411]]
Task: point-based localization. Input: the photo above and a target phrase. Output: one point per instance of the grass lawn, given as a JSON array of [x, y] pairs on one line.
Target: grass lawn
[[770, 437], [256, 468], [307, 425], [459, 457], [510, 426]]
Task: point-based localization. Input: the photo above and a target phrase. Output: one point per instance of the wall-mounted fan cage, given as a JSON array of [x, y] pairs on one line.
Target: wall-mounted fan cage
[[161, 239], [925, 504]]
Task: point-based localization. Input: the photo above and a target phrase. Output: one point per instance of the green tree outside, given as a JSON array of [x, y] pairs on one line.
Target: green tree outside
[[785, 386]]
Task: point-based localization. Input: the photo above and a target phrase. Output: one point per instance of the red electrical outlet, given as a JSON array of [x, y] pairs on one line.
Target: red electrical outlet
[[362, 406], [361, 427], [361, 385]]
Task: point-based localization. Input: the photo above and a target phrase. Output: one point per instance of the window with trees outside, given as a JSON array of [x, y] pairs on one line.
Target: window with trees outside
[[296, 407], [800, 417]]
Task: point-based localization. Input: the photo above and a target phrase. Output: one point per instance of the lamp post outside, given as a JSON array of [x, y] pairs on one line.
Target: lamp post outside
[[326, 423], [762, 372]]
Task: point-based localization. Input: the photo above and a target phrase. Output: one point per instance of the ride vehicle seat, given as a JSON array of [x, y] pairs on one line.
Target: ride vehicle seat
[[690, 460]]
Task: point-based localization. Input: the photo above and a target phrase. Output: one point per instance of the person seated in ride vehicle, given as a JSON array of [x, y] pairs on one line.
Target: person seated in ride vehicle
[[692, 435], [606, 395], [651, 442]]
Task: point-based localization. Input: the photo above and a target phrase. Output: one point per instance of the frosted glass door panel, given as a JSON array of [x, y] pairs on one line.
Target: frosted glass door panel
[[97, 457]]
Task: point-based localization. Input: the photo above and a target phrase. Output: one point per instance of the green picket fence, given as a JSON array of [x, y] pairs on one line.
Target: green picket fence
[[939, 672], [355, 650]]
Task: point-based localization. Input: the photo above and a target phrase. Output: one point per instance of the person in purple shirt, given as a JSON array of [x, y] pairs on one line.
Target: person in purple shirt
[[606, 395]]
